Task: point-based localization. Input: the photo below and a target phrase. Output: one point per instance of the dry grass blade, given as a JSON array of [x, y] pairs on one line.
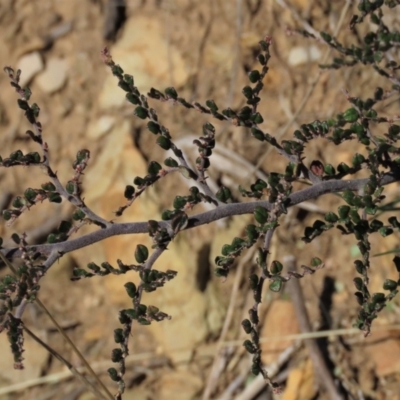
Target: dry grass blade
[[62, 375], [215, 371], [66, 338], [71, 368]]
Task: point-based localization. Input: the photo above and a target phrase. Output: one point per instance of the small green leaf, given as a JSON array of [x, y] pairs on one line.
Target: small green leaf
[[179, 202], [254, 76], [246, 324], [224, 194], [316, 262], [18, 202], [258, 134], [325, 36], [164, 142], [30, 194], [331, 217], [385, 231], [170, 162], [211, 105], [51, 238], [71, 187], [113, 374], [15, 238], [124, 86], [226, 250], [357, 160], [351, 115], [54, 197], [276, 267], [154, 168], [329, 170], [132, 98], [358, 283], [7, 215], [154, 127], [343, 168], [261, 215], [252, 233], [247, 92], [221, 272], [276, 285], [130, 288], [171, 92], [141, 112], [129, 192], [23, 105], [378, 298], [343, 212], [64, 227], [389, 285], [348, 196], [257, 118], [116, 355], [167, 215], [48, 187]]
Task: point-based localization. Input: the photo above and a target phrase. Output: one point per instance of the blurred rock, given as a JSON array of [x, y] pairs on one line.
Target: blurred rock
[[102, 171], [54, 76], [30, 65], [384, 350], [302, 55], [143, 52], [301, 383], [179, 385], [100, 127], [280, 321]]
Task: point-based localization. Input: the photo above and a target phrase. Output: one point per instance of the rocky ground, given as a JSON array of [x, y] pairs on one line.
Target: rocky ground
[[205, 50]]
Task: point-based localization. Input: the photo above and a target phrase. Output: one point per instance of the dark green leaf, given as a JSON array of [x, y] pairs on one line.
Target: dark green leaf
[[224, 194], [170, 162], [331, 217], [131, 289], [141, 253], [154, 168], [153, 127], [276, 267], [261, 215], [389, 285], [141, 112], [164, 142], [171, 92], [129, 192], [132, 98], [351, 115], [254, 76], [276, 286]]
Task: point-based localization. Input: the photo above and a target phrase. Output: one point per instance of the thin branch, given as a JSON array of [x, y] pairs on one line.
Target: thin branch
[[72, 369], [228, 210], [320, 367]]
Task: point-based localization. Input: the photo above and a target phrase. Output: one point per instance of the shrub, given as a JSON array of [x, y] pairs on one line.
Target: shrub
[[363, 198]]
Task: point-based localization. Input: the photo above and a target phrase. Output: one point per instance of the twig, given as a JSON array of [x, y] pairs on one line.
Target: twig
[[227, 210], [259, 383], [71, 368], [319, 363], [59, 376], [213, 376]]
